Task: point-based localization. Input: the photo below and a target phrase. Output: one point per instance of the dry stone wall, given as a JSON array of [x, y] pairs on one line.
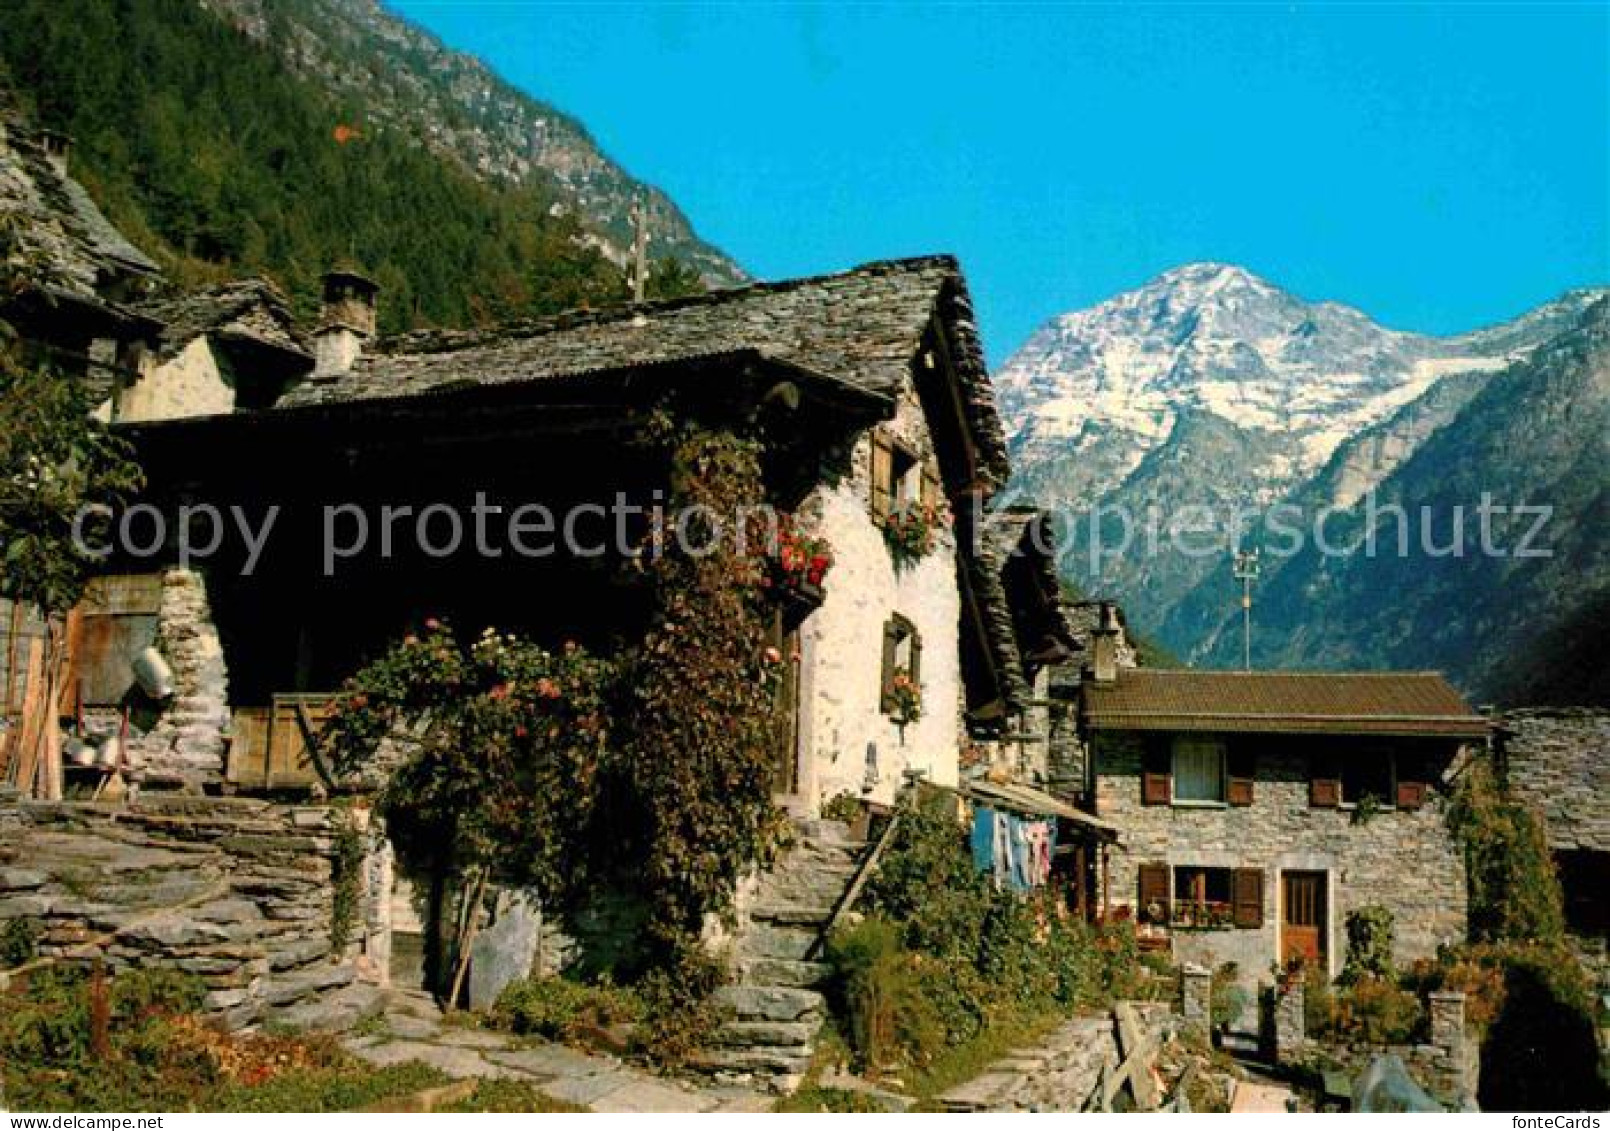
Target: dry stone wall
[[240, 893]]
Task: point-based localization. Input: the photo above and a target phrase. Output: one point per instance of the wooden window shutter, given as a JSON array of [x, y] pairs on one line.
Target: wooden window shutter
[[1246, 897], [931, 491], [1154, 893], [1325, 784], [882, 475], [1412, 782], [916, 656], [1242, 771], [891, 646], [1156, 785]]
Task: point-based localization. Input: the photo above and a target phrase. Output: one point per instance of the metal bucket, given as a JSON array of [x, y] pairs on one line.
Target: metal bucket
[[153, 674]]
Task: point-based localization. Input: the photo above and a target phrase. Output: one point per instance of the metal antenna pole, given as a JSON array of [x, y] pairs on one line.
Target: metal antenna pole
[[1246, 571], [639, 217]]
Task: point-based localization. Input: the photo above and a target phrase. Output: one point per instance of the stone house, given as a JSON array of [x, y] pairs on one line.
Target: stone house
[[876, 385], [1557, 760], [1258, 809]]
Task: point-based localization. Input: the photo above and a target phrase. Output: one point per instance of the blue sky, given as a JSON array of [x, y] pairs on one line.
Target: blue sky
[[1439, 167]]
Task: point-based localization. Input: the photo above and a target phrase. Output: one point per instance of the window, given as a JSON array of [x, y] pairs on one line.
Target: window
[[1198, 771], [1202, 897], [902, 656], [1369, 773], [1193, 897], [900, 478]]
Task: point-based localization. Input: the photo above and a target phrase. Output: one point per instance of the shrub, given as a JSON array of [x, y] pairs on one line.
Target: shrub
[[558, 1009], [844, 807], [680, 1015], [1514, 890], [1542, 1051], [1228, 999], [1375, 1010], [882, 991], [19, 942], [1369, 944], [927, 883], [1012, 953]]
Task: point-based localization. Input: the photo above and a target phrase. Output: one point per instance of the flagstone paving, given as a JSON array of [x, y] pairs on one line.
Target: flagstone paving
[[414, 1029]]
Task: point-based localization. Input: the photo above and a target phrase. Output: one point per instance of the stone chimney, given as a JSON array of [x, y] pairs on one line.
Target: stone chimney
[[345, 323], [1104, 646], [57, 146]]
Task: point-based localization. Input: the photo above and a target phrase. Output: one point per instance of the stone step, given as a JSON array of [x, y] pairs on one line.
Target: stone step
[[766, 940], [783, 972], [769, 1034], [287, 989], [791, 913], [772, 1003]]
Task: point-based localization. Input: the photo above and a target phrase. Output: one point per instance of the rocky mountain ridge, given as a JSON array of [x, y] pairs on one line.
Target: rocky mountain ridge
[[403, 76], [1211, 387]]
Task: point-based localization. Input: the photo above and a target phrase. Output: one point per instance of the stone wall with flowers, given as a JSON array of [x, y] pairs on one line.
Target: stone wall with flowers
[[847, 743]]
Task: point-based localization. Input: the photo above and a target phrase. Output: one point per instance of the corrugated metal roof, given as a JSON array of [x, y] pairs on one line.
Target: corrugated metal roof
[[1380, 703]]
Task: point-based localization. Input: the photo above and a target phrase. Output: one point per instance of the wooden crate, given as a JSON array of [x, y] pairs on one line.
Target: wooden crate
[[269, 750]]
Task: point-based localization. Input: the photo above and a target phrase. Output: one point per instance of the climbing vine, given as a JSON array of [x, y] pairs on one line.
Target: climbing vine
[[346, 876], [1514, 891], [551, 770], [701, 718]]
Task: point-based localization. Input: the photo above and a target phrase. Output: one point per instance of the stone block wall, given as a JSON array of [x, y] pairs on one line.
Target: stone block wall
[[240, 893], [1404, 861], [187, 743]]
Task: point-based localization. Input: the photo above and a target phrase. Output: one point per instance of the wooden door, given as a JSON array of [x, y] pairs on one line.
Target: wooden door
[[1302, 918]]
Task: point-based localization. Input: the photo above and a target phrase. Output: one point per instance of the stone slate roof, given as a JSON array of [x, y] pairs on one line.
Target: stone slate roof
[[1361, 703], [252, 310], [1558, 759], [863, 327], [982, 565], [1028, 534], [65, 242]]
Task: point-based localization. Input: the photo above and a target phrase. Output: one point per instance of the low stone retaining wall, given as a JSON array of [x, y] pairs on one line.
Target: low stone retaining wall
[[240, 893], [1448, 1066]]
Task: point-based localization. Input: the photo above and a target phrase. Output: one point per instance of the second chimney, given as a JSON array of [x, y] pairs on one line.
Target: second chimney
[[1104, 646], [346, 321]]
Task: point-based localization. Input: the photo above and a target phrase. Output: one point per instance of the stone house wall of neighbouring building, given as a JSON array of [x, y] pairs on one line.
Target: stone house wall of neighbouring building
[[1404, 861]]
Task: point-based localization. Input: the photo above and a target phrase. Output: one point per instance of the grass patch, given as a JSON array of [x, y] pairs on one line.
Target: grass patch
[[814, 1098], [961, 1063], [346, 1086], [510, 1095]]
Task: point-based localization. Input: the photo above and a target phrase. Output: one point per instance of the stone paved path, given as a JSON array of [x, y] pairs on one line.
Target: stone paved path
[[414, 1030], [1260, 1098]]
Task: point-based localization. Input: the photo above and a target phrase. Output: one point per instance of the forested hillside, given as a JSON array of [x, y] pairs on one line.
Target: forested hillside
[[214, 158]]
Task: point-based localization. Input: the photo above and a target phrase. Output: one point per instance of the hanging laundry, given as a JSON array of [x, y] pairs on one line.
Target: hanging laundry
[[984, 838]]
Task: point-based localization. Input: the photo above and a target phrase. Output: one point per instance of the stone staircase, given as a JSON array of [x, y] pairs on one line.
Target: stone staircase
[[777, 1004]]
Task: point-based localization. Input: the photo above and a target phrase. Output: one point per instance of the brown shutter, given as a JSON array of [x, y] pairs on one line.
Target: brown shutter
[[1153, 891], [1243, 771], [930, 484], [1246, 896], [891, 644], [882, 476], [916, 657], [1325, 784], [1411, 794], [1156, 785]]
